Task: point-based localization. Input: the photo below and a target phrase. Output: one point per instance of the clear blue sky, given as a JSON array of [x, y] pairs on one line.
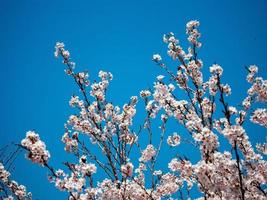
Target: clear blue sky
[[118, 36]]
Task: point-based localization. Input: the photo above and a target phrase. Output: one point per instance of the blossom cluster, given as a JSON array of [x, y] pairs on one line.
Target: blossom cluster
[[37, 152], [16, 190], [174, 140], [259, 117], [262, 147], [76, 180], [258, 89], [148, 153]]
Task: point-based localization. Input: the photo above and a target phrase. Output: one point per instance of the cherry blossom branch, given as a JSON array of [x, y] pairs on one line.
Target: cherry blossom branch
[[228, 115]]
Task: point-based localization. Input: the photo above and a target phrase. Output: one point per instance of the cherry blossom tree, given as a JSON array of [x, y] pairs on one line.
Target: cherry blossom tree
[[129, 166]]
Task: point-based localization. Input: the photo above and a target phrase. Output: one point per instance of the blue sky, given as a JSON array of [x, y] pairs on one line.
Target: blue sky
[[117, 36]]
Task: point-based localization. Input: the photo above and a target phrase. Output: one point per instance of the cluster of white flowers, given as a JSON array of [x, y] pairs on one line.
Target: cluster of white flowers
[[70, 183], [216, 69], [148, 153], [253, 70], [75, 181], [174, 49], [259, 117], [215, 184], [145, 93], [169, 184], [59, 46], [16, 190], [193, 70], [174, 140], [208, 107], [127, 169], [237, 136], [262, 147], [75, 101], [259, 89], [126, 190], [156, 58], [37, 152], [70, 142], [193, 34], [86, 168], [82, 78], [99, 89]]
